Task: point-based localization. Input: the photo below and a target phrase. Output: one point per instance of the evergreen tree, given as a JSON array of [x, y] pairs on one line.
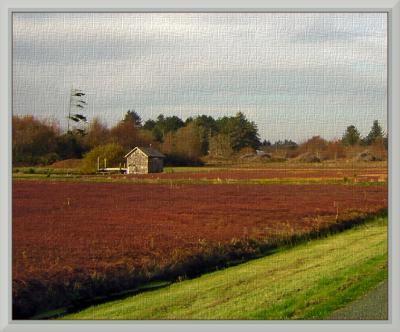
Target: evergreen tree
[[207, 127], [242, 132], [376, 133], [266, 143], [164, 125], [132, 116], [149, 124], [351, 136]]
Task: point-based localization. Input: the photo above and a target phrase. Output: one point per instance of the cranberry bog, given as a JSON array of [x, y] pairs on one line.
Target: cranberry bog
[[77, 241]]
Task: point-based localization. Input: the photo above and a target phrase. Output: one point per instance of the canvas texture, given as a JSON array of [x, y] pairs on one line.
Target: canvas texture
[[199, 166]]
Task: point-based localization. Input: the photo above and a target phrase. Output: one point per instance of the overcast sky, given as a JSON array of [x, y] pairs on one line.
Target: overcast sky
[[295, 75]]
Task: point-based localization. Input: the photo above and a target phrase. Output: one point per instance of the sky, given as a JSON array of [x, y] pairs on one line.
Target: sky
[[296, 75]]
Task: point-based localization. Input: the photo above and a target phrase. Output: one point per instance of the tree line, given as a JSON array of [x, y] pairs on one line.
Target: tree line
[[38, 142]]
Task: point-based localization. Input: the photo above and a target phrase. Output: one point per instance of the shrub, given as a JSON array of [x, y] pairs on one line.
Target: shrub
[[32, 139], [49, 158], [220, 146], [112, 152], [247, 151]]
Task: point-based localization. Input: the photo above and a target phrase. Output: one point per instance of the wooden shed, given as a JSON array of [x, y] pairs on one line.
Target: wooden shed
[[143, 160]]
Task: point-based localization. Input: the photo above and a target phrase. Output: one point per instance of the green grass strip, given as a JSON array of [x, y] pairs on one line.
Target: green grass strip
[[189, 181], [308, 281]]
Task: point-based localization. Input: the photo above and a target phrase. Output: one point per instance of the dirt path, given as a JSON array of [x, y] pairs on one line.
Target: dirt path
[[372, 306]]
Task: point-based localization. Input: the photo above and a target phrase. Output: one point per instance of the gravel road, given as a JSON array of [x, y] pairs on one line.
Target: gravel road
[[372, 306]]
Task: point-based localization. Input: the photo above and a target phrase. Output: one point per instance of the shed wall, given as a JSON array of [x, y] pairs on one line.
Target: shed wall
[[156, 165], [137, 163]]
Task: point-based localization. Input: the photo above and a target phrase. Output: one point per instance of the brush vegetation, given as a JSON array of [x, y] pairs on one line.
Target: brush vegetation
[[194, 141]]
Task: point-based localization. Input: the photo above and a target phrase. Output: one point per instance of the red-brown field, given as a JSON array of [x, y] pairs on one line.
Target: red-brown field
[[76, 240]]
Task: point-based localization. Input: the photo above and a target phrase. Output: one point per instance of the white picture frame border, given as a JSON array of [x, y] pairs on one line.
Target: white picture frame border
[[390, 6]]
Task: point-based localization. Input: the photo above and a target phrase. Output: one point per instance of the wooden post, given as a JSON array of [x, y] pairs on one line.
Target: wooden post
[[98, 164], [105, 163]]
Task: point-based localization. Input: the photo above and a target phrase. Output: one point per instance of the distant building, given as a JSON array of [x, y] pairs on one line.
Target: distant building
[[143, 160]]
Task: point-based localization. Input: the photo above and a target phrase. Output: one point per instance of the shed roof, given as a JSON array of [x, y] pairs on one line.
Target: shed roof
[[148, 151]]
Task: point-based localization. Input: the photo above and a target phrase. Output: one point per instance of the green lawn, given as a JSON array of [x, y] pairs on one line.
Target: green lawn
[[182, 181], [193, 169], [308, 281]]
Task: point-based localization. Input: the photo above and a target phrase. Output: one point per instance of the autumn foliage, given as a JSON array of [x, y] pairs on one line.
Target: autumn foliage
[[194, 141], [33, 141]]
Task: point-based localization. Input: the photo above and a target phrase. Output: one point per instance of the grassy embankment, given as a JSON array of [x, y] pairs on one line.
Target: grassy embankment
[[308, 281]]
